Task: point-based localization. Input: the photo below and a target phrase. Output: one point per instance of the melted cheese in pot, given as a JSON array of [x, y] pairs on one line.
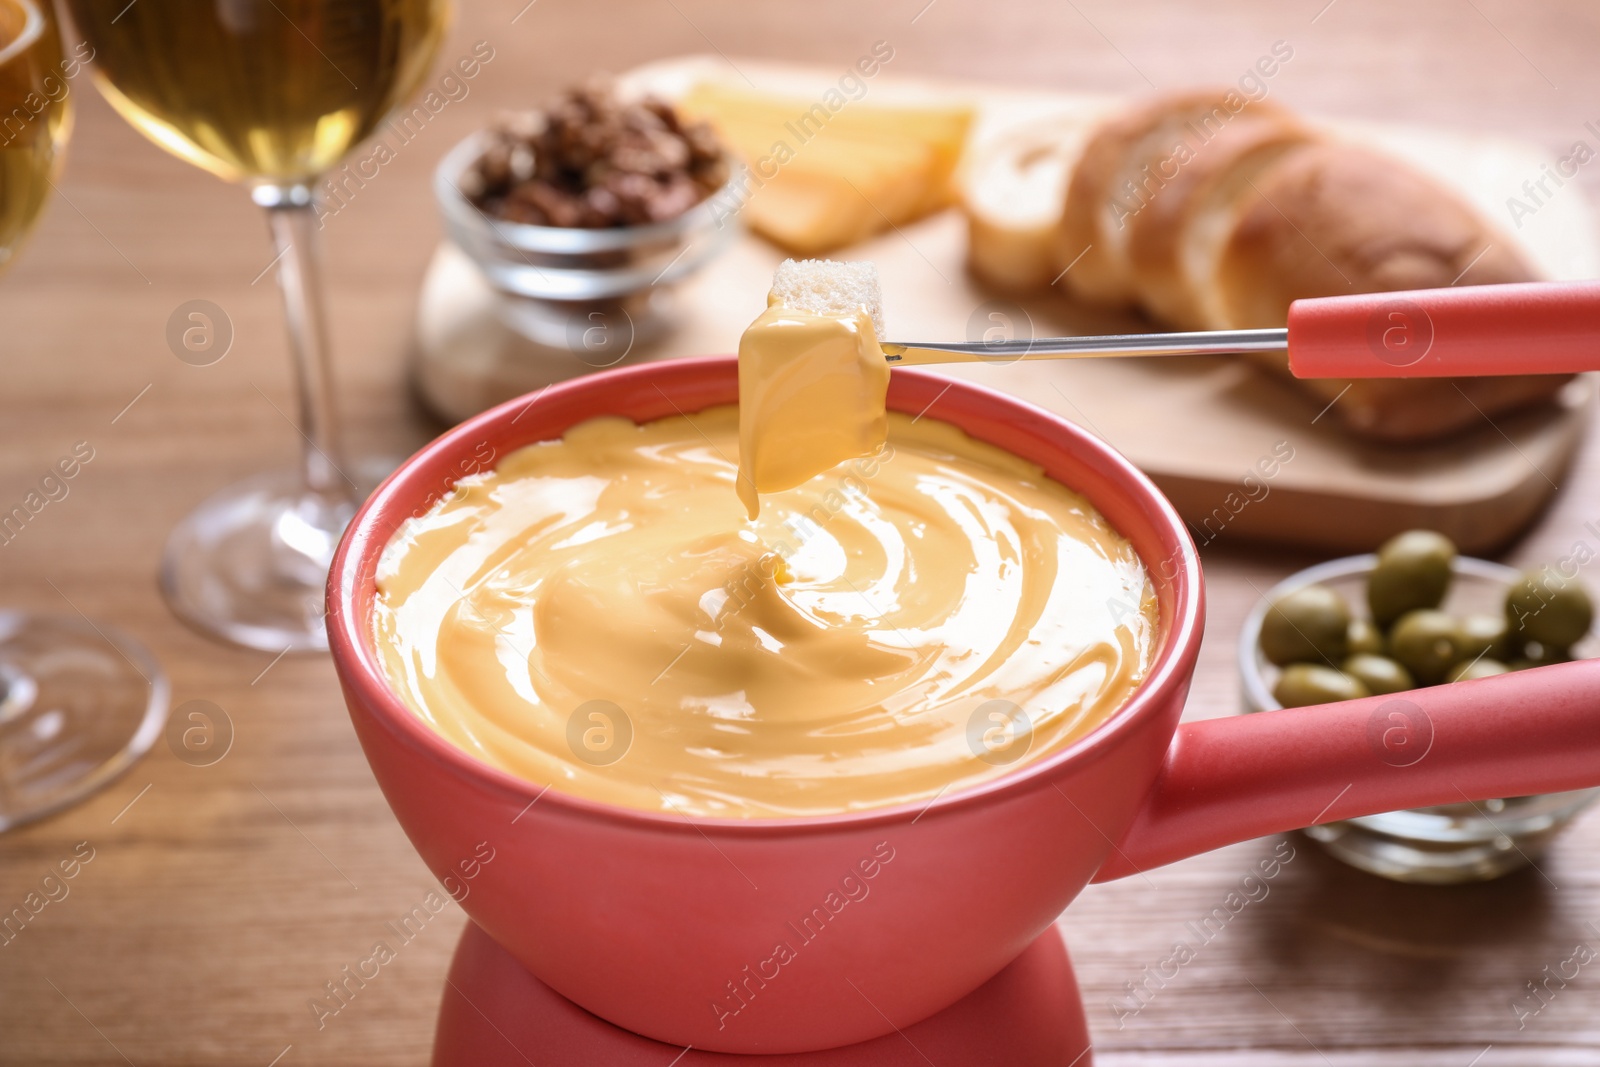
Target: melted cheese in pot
[[600, 615]]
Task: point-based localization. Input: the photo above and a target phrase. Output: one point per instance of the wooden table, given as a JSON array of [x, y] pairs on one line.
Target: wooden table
[[221, 898]]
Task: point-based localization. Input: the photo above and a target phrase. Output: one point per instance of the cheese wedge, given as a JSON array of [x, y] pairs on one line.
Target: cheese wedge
[[821, 179]]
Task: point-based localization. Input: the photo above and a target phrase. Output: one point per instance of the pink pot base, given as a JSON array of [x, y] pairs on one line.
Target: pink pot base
[[495, 1014]]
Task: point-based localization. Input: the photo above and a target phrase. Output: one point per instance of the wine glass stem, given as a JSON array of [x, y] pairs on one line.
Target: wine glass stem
[[293, 222]]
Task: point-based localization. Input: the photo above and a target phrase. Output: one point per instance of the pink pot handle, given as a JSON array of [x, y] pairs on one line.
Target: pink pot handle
[[1245, 776]]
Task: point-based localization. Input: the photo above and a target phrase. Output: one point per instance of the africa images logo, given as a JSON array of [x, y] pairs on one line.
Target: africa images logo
[[1399, 332]]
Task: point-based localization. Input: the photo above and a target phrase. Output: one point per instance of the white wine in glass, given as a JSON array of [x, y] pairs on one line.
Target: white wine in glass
[[35, 122], [79, 701], [271, 94]]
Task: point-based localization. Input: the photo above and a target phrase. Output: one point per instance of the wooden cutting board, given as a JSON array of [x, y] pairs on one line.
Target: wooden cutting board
[[1201, 428]]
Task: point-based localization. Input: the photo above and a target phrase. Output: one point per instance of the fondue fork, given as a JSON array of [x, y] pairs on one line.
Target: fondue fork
[[1476, 331]]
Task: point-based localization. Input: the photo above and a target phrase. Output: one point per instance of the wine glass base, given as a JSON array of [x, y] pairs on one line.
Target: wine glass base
[[250, 564], [82, 701]]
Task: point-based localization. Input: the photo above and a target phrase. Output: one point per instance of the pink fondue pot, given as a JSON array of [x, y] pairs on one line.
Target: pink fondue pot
[[788, 935]]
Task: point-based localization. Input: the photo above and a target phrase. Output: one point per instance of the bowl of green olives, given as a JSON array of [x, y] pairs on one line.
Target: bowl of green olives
[[1416, 613]]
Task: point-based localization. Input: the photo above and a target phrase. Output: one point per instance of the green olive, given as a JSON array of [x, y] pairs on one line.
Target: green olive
[[1364, 638], [1550, 608], [1467, 670], [1413, 571], [1378, 673], [1301, 684], [1486, 635], [1427, 643], [1307, 625]]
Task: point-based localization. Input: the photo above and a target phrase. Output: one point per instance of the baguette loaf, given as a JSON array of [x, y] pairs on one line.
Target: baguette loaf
[[1217, 217], [1012, 187], [1174, 243], [1340, 218], [1124, 167]]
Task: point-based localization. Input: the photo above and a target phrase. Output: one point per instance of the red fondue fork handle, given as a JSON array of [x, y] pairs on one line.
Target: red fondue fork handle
[[1245, 776], [1476, 331], [1473, 331]]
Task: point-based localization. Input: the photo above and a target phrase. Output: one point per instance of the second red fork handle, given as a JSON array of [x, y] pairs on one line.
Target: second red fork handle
[[1472, 331]]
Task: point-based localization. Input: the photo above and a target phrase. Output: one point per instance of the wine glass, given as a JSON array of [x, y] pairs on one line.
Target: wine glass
[[79, 700], [272, 94]]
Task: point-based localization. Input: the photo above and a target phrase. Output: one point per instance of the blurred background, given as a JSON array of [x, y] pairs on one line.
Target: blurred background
[[223, 894]]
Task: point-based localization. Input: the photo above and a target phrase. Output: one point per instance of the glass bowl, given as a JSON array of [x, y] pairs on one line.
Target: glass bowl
[[586, 290], [1439, 845]]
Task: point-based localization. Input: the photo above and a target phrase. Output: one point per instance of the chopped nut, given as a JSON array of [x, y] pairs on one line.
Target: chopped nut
[[590, 160]]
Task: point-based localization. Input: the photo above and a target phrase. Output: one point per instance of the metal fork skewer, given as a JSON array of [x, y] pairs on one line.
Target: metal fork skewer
[[1221, 342]]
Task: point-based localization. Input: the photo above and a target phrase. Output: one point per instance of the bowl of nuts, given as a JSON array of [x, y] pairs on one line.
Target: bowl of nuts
[[1415, 613], [583, 213]]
